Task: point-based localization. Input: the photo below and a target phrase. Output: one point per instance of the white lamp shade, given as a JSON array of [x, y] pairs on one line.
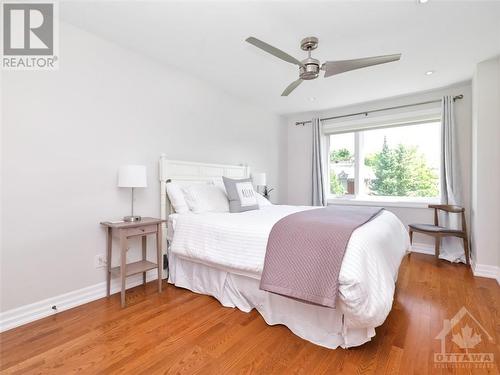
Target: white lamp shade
[[259, 179], [132, 176]]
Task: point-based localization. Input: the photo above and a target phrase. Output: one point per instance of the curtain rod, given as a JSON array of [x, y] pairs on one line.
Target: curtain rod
[[377, 110]]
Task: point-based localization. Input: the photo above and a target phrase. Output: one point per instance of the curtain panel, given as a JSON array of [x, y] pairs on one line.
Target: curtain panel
[[452, 248], [318, 165]]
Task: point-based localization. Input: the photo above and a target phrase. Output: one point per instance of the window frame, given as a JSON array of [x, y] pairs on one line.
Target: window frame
[[367, 200]]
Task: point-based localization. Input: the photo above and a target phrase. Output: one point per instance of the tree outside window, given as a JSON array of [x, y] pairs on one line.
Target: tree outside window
[[401, 171]]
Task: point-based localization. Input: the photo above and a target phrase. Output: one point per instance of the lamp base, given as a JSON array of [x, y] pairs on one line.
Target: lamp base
[[130, 219]]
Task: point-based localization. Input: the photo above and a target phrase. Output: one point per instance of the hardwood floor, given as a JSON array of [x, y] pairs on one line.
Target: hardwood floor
[[182, 332]]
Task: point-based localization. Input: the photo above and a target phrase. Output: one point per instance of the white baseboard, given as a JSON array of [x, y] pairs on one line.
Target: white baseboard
[[422, 248], [38, 310], [480, 270], [485, 270]]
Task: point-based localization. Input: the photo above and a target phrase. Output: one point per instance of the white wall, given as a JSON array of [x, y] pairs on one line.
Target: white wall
[[66, 132], [299, 148], [486, 163]]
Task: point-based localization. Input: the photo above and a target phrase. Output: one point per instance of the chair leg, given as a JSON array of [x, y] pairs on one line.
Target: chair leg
[[466, 248], [411, 243], [436, 249]]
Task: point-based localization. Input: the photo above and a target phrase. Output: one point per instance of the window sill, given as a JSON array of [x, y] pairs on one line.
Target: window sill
[[384, 202]]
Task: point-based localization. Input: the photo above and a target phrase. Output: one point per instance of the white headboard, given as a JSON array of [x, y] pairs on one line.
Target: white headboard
[[183, 171]]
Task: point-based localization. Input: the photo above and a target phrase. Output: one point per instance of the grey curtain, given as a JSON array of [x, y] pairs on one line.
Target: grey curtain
[[449, 165], [318, 176], [452, 248]]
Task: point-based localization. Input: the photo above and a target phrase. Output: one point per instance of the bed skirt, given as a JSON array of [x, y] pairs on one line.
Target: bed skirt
[[320, 325]]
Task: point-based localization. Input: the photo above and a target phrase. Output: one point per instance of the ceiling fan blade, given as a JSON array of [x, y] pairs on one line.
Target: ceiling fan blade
[[292, 86], [336, 67], [273, 50]]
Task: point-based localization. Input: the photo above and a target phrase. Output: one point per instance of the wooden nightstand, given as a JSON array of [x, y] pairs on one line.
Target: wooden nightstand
[[123, 231]]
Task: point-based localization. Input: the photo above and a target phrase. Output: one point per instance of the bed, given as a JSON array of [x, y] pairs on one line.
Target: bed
[[222, 255]]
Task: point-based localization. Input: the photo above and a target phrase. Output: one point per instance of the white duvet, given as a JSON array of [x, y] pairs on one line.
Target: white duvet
[[237, 242]]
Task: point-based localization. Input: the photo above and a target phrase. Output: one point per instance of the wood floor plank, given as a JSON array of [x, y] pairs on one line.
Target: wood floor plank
[[180, 332]]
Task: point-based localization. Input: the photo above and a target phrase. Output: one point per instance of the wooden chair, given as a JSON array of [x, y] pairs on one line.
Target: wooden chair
[[438, 231]]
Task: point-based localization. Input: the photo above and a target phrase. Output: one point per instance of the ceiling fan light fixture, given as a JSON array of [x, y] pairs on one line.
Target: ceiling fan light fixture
[[429, 72], [310, 70]]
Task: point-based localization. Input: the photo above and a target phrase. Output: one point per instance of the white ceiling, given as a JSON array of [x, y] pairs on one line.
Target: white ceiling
[[207, 39]]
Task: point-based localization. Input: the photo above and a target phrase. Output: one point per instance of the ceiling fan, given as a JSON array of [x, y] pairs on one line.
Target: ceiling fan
[[309, 68]]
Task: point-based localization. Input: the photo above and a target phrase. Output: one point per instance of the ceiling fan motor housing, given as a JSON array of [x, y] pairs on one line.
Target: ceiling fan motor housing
[[310, 70]]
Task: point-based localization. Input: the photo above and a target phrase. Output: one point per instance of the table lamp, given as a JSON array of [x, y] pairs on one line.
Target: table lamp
[[260, 181], [132, 176]]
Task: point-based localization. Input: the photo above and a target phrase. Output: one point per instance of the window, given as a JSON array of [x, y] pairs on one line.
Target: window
[[400, 163]]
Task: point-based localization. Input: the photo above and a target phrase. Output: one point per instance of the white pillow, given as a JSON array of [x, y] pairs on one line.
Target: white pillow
[[205, 198], [262, 201], [217, 181], [176, 196]]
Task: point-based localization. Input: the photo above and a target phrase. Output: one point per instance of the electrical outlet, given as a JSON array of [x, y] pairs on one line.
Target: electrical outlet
[[100, 261]]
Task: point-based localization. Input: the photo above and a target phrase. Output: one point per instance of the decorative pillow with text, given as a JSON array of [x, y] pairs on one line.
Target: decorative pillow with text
[[242, 197]]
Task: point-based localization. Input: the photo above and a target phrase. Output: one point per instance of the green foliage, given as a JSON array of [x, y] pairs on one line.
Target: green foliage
[[370, 160], [402, 171], [342, 154], [336, 187]]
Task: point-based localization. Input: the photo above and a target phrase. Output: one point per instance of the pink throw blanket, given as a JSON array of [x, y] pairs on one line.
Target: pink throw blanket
[[305, 252]]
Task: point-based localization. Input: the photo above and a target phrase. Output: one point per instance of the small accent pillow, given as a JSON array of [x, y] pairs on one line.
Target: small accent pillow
[[205, 198], [241, 194], [176, 197]]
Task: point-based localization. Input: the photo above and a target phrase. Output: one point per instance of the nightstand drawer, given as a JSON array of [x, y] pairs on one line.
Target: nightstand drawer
[[138, 231]]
